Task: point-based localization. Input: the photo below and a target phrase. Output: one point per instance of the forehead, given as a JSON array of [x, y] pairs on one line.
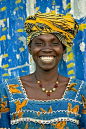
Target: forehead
[[46, 37]]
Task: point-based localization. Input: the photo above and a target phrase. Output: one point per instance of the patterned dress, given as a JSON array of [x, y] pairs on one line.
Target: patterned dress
[[17, 111]]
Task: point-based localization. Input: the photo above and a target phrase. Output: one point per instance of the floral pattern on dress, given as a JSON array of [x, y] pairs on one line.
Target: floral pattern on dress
[[71, 87], [19, 106], [84, 104], [3, 108], [13, 88], [73, 110], [59, 125], [44, 111]]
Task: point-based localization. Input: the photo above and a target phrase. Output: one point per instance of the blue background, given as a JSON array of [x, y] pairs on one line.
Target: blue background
[[14, 56]]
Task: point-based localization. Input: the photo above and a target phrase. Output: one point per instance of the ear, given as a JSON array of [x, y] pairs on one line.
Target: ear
[[29, 48], [64, 51]]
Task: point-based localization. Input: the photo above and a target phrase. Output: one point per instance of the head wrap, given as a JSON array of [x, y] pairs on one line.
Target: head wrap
[[64, 27]]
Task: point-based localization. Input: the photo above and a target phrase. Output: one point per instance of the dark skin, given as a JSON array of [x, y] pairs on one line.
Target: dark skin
[[46, 45]]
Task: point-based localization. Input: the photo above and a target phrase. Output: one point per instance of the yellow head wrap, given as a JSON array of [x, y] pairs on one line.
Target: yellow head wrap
[[62, 26]]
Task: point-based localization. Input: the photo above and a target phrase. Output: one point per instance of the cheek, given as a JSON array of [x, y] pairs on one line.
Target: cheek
[[59, 51], [35, 51]]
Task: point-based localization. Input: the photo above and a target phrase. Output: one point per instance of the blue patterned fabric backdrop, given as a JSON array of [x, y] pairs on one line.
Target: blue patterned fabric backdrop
[[14, 57]]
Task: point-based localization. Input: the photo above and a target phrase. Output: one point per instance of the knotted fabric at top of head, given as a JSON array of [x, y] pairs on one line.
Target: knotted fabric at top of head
[[62, 26]]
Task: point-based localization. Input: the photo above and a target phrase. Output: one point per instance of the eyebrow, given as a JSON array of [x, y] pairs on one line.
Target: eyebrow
[[39, 39], [42, 39]]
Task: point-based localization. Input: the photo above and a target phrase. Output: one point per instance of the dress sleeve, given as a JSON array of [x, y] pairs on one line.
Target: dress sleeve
[[83, 113], [4, 108]]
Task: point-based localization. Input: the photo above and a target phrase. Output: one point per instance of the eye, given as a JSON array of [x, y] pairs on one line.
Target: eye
[[55, 43], [39, 43]]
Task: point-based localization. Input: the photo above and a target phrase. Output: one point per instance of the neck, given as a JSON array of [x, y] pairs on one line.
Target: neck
[[46, 76]]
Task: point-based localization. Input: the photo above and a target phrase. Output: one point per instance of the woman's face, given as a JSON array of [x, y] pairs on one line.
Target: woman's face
[[46, 50]]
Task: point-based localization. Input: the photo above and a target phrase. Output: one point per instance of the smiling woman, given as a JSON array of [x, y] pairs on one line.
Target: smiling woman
[[46, 50], [45, 99]]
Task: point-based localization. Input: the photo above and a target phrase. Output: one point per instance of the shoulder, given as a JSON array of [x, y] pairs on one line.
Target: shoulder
[[28, 78], [11, 88], [4, 85], [79, 82], [81, 88], [63, 79]]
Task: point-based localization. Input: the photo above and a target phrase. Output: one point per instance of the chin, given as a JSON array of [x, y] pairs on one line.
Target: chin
[[48, 67]]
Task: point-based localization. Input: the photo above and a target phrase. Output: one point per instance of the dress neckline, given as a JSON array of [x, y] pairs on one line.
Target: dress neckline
[[36, 100]]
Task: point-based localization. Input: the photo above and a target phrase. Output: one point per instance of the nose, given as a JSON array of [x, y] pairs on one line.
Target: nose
[[47, 49]]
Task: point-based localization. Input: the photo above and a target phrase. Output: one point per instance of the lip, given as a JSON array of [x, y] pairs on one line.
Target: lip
[[47, 59], [47, 56]]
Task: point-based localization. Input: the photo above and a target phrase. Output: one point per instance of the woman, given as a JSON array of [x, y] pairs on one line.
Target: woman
[[45, 99]]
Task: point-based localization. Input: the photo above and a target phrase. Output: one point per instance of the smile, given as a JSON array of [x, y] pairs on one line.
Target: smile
[[47, 59]]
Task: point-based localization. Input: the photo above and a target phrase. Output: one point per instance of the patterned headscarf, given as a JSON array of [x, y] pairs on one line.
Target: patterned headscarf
[[64, 27]]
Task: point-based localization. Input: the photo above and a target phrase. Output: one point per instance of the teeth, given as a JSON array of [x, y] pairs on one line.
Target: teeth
[[47, 59]]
